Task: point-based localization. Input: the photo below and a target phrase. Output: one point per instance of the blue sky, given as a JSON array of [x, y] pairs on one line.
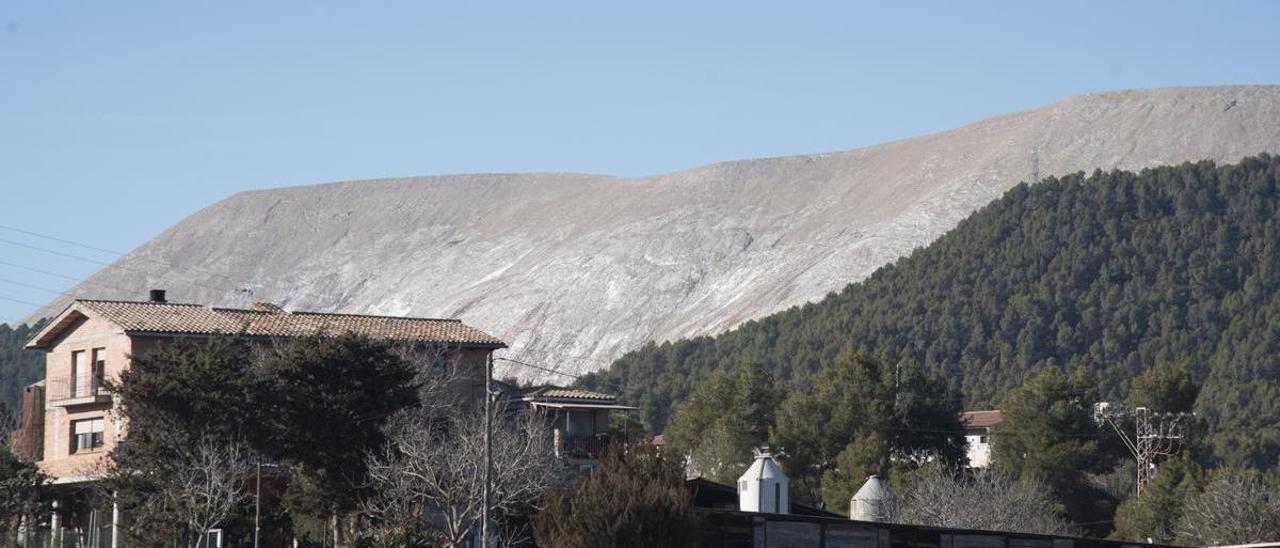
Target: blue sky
[[118, 119]]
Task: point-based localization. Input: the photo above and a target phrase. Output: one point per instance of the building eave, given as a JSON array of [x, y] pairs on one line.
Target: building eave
[[51, 332]]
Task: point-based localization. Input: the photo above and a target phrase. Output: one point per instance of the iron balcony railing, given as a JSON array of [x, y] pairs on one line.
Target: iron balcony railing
[[79, 390], [583, 447]]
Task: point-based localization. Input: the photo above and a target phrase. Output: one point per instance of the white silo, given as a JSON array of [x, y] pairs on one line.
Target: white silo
[[764, 488], [873, 501]]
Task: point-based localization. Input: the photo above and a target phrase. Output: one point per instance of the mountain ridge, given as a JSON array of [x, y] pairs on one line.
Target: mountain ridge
[[575, 269]]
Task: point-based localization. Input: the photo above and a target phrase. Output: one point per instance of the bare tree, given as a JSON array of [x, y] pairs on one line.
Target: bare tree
[[197, 488], [430, 474], [435, 473], [984, 499], [208, 486], [1236, 507], [8, 423]]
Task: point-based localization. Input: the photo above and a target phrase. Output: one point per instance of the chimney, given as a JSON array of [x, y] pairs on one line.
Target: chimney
[[764, 487], [873, 502], [157, 296]]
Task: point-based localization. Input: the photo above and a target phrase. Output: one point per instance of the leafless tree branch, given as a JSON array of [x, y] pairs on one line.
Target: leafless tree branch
[[984, 499], [431, 474], [1236, 507]]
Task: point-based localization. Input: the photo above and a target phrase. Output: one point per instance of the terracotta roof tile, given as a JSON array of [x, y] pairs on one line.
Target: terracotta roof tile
[[556, 392], [198, 319], [573, 393], [981, 419]]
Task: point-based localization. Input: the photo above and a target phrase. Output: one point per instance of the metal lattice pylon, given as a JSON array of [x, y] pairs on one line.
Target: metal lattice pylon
[[1155, 434]]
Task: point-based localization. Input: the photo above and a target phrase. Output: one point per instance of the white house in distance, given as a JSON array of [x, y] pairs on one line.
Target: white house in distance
[[977, 432]]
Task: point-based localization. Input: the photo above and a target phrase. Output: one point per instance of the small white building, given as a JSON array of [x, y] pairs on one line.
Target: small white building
[[977, 433], [874, 501], [764, 487]]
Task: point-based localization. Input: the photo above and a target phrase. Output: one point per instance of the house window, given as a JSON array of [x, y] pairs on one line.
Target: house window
[[99, 365], [86, 435], [581, 423], [79, 375], [982, 439]]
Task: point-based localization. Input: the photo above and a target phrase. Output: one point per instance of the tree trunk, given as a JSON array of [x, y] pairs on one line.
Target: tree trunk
[[340, 539], [202, 535]]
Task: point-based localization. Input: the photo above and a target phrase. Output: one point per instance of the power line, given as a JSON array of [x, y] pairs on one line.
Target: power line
[[158, 262], [995, 432], [540, 368], [57, 239], [20, 301], [84, 281], [33, 286], [40, 271], [52, 252], [13, 322]]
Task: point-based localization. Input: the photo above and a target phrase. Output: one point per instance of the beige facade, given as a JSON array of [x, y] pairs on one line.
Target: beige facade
[[87, 347], [73, 398]]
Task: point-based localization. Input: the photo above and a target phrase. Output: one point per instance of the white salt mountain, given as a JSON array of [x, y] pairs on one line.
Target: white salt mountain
[[573, 270]]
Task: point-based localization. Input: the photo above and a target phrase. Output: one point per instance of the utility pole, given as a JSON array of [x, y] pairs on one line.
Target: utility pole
[[257, 500], [1155, 434], [488, 450]]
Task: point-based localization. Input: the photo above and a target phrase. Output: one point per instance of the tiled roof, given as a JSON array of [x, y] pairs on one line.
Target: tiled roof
[[572, 393], [555, 392], [154, 317], [981, 419]]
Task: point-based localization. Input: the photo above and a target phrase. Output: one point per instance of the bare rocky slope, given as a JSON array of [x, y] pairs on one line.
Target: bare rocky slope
[[572, 270]]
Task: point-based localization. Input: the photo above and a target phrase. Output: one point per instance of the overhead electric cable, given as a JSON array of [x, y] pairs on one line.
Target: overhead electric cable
[[157, 262], [57, 239], [52, 252], [539, 367], [2, 297]]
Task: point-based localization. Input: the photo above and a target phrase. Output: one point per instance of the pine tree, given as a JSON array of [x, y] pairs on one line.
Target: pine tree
[[724, 419], [1049, 434], [1155, 515], [859, 415]]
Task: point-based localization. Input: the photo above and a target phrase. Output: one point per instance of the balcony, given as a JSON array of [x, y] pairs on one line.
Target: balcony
[[71, 391], [582, 447]]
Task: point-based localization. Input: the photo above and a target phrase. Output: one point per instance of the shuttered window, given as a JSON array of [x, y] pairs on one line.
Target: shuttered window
[[86, 435], [80, 375]]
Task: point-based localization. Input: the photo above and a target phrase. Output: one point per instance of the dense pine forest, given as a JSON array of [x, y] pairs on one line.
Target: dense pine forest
[[1112, 272], [18, 367]]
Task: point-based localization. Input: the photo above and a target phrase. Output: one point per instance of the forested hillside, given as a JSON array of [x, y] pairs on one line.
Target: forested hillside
[[18, 367], [1114, 272]]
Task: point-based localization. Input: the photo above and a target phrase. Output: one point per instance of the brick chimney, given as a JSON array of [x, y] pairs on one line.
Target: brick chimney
[[28, 440]]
